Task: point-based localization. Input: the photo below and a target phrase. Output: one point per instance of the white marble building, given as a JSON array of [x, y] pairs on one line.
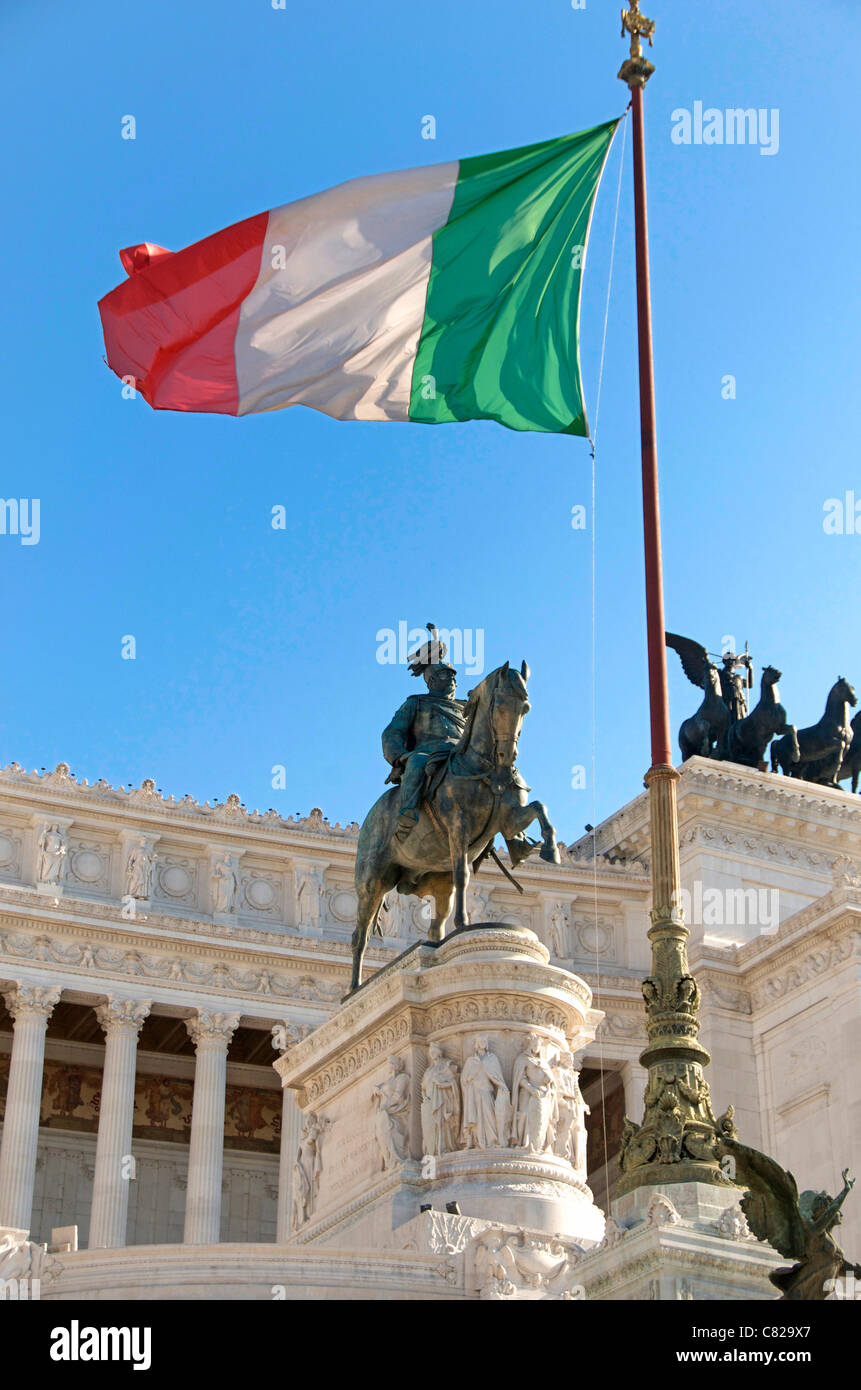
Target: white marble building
[[154, 951]]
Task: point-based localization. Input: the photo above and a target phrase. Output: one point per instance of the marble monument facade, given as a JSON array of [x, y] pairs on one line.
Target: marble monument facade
[[158, 955]]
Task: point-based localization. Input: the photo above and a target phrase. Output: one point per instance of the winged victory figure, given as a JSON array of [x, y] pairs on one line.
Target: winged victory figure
[[799, 1227]]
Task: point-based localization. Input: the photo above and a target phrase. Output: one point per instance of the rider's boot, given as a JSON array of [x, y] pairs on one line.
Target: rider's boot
[[520, 847], [407, 821]]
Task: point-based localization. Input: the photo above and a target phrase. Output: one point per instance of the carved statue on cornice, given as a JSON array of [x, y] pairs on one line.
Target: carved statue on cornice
[[139, 868], [224, 885], [52, 854], [557, 932], [309, 892]]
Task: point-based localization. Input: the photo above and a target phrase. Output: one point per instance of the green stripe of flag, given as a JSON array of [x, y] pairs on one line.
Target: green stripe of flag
[[500, 338]]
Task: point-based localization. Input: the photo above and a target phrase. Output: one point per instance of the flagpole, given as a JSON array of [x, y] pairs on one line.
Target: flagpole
[[676, 1141]]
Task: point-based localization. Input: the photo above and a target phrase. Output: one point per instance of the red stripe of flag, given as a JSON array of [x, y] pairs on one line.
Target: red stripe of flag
[[172, 325]]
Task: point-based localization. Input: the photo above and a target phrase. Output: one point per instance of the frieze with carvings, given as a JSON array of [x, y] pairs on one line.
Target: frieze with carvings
[[781, 983], [370, 1050], [507, 1008], [744, 844], [44, 950]]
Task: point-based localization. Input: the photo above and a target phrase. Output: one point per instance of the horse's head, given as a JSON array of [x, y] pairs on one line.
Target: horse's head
[[503, 699], [771, 675], [843, 691]]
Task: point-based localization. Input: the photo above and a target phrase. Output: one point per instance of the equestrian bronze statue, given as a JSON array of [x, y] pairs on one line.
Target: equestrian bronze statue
[[799, 1227], [822, 749], [457, 787]]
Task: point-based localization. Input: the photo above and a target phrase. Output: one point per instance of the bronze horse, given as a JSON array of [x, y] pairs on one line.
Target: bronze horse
[[823, 747], [474, 793], [745, 741], [705, 731]]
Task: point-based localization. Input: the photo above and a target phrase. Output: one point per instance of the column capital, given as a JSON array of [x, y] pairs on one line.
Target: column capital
[[208, 1027], [31, 1001], [122, 1015]]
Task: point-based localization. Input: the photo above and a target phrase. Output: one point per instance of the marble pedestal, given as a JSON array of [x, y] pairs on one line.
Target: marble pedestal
[[686, 1240], [361, 1178]]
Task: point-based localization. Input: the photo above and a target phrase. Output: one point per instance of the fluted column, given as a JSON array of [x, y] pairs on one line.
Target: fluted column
[[211, 1034], [121, 1020], [291, 1123], [30, 1007]]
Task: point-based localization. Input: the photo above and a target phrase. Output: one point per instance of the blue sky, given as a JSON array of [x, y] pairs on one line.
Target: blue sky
[[258, 647]]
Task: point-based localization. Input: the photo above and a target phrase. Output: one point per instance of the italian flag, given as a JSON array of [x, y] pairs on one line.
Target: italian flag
[[445, 293]]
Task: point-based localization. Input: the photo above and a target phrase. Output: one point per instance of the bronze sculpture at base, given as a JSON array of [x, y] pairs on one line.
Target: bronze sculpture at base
[[799, 1227]]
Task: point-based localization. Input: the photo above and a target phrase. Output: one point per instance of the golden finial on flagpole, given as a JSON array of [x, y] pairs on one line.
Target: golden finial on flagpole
[[636, 70]]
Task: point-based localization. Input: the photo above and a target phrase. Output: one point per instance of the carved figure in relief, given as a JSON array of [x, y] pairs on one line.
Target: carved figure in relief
[[486, 1103], [533, 1098], [224, 885], [307, 1168], [139, 866], [571, 1110], [52, 853], [308, 896], [387, 918], [440, 1103], [732, 1224], [392, 1099], [557, 933]]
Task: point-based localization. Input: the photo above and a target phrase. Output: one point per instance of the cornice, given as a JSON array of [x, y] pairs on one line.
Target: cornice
[[62, 787], [730, 785]]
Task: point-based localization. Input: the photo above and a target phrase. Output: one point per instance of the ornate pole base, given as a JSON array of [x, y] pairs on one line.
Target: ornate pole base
[[677, 1140]]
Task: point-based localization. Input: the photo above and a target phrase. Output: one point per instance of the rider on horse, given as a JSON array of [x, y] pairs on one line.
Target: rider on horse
[[424, 725], [733, 683]]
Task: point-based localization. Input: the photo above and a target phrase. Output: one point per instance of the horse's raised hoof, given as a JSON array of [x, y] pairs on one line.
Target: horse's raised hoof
[[550, 853]]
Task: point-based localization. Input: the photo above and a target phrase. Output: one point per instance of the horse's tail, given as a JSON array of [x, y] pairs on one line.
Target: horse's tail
[[775, 755]]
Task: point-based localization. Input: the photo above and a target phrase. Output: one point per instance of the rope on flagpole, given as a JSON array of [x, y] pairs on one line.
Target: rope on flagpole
[[592, 441]]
